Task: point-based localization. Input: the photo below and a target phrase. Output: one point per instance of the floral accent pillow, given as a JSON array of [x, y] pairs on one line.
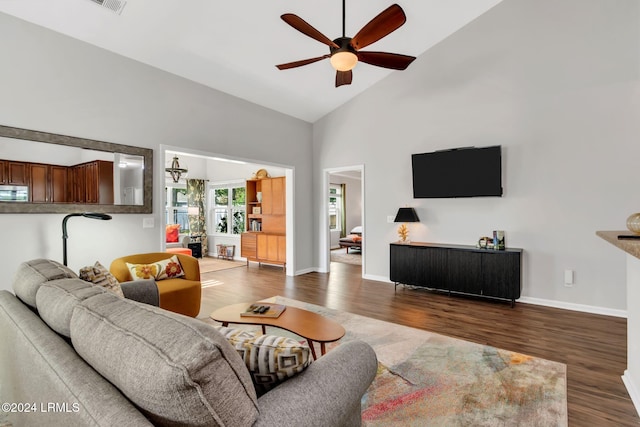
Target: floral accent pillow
[[169, 268]]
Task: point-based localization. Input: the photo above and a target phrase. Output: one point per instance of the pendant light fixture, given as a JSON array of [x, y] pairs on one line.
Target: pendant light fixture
[[175, 170]]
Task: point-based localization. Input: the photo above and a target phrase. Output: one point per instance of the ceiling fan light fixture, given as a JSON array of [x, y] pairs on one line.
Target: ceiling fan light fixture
[[344, 60], [345, 52]]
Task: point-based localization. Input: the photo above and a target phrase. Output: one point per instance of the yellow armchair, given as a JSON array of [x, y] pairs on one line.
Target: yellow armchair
[[180, 295]]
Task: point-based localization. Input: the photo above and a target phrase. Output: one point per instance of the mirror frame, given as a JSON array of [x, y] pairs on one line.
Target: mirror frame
[[91, 144]]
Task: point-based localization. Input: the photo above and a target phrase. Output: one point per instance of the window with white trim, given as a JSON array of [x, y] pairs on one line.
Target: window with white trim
[[335, 207], [227, 211], [176, 208]]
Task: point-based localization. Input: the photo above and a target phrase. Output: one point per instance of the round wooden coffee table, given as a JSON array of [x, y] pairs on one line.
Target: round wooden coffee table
[[309, 325]]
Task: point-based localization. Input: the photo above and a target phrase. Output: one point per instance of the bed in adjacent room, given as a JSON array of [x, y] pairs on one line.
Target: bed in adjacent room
[[353, 240]]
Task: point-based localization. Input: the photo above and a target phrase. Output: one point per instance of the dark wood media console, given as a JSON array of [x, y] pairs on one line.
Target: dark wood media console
[[458, 269]]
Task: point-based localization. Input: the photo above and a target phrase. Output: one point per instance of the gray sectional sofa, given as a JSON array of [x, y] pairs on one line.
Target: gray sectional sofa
[[73, 354]]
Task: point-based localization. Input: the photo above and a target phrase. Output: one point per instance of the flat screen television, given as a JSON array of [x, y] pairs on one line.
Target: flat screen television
[[460, 172]]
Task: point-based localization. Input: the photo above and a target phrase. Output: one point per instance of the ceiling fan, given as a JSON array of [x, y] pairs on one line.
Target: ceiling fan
[[345, 51]]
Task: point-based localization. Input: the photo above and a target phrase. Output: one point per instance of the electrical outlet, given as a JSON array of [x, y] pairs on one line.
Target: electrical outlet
[[390, 219], [568, 278]]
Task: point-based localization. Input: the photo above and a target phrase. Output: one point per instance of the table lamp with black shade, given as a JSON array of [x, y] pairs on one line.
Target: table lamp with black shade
[[65, 236], [405, 215]]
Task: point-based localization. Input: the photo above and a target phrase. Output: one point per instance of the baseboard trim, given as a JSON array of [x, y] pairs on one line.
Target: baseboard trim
[[308, 270], [634, 392], [376, 278], [574, 307]]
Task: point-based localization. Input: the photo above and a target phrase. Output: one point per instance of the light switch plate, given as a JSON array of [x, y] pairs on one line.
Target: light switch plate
[[568, 277], [148, 222]]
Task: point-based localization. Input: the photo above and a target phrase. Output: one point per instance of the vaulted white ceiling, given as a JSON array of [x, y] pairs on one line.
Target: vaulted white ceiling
[[233, 46]]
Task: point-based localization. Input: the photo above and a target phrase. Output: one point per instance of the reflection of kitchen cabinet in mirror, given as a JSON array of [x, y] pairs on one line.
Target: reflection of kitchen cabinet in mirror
[[42, 172]]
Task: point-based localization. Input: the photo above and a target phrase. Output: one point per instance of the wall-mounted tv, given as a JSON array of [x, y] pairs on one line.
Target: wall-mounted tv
[[460, 172]]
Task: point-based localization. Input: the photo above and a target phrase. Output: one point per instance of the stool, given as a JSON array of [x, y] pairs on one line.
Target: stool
[[185, 251]]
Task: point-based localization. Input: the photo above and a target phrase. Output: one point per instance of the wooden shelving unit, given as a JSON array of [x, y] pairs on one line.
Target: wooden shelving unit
[[265, 238]]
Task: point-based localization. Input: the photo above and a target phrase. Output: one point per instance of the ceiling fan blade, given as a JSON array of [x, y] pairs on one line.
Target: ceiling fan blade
[[301, 62], [382, 25], [305, 28], [343, 78], [385, 59]]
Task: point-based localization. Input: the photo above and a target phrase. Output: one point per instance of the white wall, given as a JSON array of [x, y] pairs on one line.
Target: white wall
[[354, 202], [554, 83], [53, 83], [218, 171], [353, 199], [40, 152]]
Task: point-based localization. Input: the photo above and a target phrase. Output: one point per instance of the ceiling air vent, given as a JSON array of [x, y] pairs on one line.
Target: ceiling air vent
[[113, 5]]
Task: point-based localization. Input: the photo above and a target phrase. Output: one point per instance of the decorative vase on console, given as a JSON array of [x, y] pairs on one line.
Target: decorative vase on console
[[403, 234], [259, 196], [633, 223]]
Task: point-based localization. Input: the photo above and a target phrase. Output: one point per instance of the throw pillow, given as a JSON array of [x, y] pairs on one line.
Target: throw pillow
[[169, 268], [172, 233], [270, 359], [99, 275]]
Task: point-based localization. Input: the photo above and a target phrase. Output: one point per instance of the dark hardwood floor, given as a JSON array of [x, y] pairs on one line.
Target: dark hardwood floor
[[592, 346]]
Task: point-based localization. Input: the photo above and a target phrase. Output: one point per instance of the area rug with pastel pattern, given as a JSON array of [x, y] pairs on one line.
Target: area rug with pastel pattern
[[427, 379]]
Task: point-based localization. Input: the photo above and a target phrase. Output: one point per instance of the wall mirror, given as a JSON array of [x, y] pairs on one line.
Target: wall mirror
[[43, 172]]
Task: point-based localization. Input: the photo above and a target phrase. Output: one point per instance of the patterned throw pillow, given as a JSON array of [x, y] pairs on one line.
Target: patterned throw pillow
[[269, 358], [99, 275], [172, 233], [169, 268]]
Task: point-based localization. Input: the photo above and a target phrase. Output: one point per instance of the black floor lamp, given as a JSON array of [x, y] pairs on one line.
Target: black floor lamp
[[92, 215]]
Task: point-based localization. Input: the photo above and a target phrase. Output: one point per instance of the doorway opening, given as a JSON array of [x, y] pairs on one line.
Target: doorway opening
[[225, 179], [344, 216]]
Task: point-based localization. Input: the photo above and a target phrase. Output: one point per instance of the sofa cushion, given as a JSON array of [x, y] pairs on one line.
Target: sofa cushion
[[32, 274], [39, 366], [56, 299], [270, 359], [99, 275], [169, 268], [177, 370]]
